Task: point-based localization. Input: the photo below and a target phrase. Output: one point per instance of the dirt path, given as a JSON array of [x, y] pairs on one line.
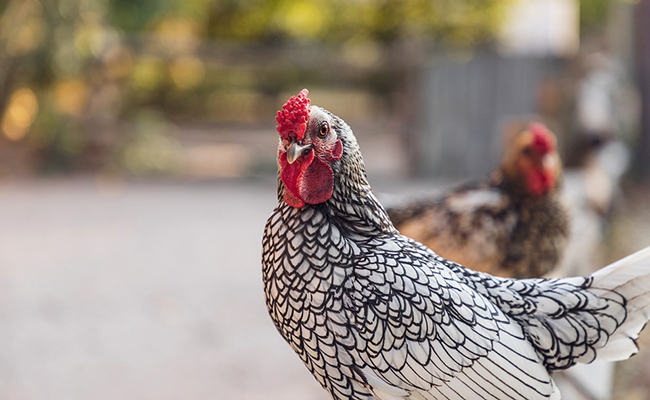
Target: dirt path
[[139, 291]]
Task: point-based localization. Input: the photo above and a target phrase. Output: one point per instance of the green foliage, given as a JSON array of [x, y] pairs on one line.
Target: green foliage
[[72, 72], [135, 15], [455, 21], [593, 14]]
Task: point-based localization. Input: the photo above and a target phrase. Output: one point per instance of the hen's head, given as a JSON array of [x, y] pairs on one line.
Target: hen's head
[[532, 160], [310, 143]]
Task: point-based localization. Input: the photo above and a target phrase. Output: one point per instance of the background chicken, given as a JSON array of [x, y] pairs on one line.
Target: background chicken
[[376, 315], [512, 224]]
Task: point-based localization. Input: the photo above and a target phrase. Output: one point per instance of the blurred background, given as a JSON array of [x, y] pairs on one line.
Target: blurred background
[[137, 165]]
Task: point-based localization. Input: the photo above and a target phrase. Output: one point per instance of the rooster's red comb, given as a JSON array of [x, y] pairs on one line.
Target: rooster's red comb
[[543, 140], [292, 119]]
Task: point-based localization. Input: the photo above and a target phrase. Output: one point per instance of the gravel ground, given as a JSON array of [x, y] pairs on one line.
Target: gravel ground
[[114, 290]]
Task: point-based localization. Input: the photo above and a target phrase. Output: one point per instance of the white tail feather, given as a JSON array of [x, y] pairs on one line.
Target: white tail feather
[[622, 271], [630, 277]]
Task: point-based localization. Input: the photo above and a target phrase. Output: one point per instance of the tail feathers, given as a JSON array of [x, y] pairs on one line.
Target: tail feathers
[[631, 268], [630, 278], [621, 346]]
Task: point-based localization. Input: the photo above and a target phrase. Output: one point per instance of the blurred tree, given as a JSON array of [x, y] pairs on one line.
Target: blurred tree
[[72, 70], [459, 22], [593, 15]]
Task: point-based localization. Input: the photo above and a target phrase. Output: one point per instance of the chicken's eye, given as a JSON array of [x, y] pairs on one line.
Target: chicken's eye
[[527, 151], [324, 129]]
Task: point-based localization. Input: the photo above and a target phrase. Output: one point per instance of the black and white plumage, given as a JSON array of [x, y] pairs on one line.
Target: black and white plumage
[[375, 315]]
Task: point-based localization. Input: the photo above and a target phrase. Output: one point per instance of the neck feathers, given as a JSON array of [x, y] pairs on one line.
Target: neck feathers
[[353, 206]]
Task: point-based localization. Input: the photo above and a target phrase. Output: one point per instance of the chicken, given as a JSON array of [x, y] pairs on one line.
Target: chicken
[[376, 315], [513, 224]]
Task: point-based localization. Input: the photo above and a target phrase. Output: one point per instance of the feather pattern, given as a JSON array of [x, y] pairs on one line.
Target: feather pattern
[[376, 315]]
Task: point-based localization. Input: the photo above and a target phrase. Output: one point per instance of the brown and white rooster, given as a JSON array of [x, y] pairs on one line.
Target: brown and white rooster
[[376, 315], [512, 224]]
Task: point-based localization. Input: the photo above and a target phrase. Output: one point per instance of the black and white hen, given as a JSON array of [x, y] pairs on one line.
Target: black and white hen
[[376, 315]]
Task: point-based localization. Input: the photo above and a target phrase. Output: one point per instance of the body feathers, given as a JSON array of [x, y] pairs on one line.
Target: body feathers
[[376, 315]]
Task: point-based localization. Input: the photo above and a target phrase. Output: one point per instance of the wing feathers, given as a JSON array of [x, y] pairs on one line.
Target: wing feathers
[[629, 277]]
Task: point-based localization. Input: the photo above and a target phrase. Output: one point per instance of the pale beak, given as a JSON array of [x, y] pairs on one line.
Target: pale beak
[[295, 151], [549, 162]]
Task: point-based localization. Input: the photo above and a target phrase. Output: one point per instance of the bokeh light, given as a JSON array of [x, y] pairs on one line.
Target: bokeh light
[[70, 96], [20, 114]]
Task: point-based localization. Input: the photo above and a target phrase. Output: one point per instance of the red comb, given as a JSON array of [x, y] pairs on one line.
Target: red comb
[[542, 138], [292, 119]]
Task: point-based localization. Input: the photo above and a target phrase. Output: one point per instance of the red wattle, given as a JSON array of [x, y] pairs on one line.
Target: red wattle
[[316, 183], [293, 201], [307, 180], [292, 173], [539, 183]]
